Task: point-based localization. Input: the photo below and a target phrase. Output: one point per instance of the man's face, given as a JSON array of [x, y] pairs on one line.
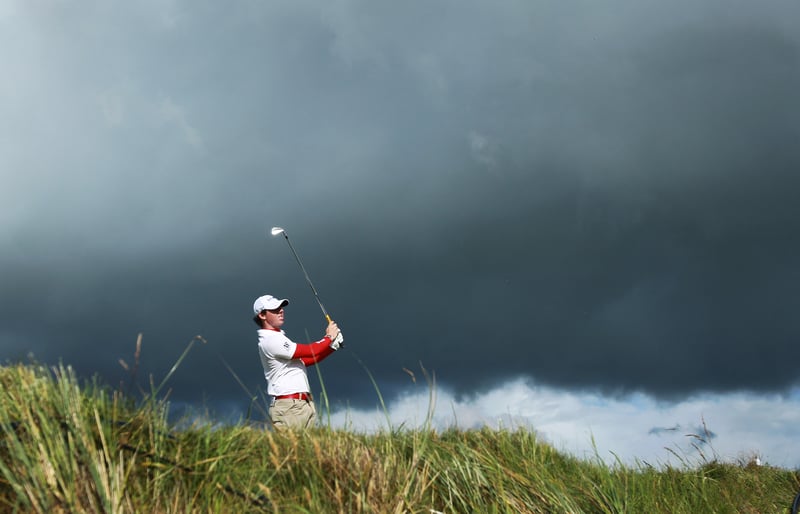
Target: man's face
[[274, 317]]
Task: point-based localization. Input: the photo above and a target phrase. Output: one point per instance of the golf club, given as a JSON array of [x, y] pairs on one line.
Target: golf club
[[278, 230]]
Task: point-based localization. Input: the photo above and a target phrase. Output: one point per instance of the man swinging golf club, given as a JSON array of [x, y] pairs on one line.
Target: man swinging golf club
[[285, 363]]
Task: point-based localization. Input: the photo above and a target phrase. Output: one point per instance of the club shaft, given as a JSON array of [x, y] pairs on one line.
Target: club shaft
[[308, 279]]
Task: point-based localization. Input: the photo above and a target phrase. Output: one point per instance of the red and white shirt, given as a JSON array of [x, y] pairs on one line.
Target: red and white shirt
[[285, 361]]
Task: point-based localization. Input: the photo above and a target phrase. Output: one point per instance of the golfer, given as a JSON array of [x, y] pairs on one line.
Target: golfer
[[285, 363]]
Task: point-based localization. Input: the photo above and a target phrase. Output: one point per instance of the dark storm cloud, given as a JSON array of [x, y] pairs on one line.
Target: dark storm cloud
[[593, 196]]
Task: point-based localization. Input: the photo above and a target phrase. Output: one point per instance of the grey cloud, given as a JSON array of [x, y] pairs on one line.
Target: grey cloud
[[663, 430], [596, 197]]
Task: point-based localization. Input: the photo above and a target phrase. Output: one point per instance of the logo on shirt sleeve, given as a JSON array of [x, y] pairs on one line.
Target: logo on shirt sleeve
[[286, 345]]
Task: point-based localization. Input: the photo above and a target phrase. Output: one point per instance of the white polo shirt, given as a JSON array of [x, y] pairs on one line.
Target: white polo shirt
[[284, 375]]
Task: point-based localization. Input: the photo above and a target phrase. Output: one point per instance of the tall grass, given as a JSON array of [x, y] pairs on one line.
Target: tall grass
[[83, 447]]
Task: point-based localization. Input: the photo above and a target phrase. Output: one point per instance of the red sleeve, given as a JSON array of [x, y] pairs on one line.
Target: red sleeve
[[313, 353]]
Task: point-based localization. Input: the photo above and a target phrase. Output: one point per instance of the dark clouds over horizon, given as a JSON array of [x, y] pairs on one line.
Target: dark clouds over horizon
[[592, 196]]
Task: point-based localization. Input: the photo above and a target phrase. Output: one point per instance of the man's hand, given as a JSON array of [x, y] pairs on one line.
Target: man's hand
[[335, 335], [332, 331], [338, 342]]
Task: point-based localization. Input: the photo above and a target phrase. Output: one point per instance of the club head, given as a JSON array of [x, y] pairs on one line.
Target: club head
[[276, 231]]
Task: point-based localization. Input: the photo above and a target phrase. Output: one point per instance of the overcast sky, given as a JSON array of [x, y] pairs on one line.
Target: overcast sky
[[579, 200]]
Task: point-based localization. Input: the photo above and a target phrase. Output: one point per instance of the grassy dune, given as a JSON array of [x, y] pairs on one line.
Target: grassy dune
[[68, 446]]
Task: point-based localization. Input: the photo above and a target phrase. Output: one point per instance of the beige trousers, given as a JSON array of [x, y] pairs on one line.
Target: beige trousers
[[292, 414]]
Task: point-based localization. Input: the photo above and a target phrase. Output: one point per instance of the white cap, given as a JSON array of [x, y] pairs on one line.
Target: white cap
[[268, 302]]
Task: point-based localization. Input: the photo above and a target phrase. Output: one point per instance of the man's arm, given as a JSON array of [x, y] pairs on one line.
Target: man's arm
[[313, 353]]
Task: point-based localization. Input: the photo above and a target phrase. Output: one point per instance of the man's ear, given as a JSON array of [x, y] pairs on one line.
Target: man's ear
[[259, 319]]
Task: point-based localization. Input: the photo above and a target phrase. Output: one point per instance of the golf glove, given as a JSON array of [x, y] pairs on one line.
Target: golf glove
[[338, 342]]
